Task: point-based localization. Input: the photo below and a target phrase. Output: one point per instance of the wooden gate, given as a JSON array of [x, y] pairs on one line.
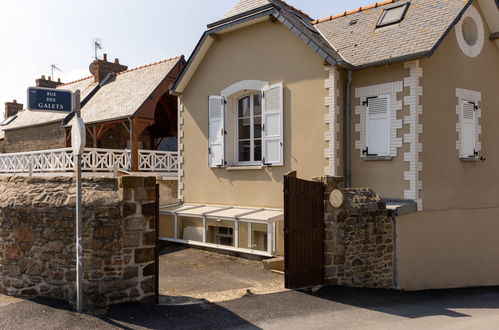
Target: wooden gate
[[303, 232]]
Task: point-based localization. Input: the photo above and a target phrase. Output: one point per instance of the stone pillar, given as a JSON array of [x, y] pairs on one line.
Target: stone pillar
[[358, 239]]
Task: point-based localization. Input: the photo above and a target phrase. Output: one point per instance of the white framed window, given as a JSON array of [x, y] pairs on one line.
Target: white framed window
[[249, 130], [377, 125], [468, 126], [246, 125]]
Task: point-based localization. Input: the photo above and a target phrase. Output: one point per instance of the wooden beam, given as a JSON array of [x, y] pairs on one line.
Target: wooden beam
[[94, 136], [138, 127], [494, 36], [126, 127]]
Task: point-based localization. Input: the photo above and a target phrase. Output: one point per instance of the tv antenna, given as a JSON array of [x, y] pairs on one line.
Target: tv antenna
[[97, 44], [54, 67]]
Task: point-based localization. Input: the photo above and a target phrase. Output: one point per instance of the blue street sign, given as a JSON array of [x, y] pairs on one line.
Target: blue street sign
[[49, 100]]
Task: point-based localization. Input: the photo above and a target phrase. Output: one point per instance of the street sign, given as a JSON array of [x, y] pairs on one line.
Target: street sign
[[49, 100]]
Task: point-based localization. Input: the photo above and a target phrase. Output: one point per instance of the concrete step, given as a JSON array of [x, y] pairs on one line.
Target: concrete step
[[274, 264]]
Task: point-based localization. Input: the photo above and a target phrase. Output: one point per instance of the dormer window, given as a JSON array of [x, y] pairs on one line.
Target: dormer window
[[393, 15]]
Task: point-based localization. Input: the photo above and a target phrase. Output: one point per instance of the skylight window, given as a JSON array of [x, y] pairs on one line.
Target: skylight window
[[8, 120], [393, 15]]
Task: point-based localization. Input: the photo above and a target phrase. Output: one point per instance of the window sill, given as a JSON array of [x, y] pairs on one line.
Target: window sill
[[378, 157], [469, 159], [244, 168]]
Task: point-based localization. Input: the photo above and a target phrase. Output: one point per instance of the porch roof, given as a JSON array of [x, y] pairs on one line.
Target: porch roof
[[247, 214]]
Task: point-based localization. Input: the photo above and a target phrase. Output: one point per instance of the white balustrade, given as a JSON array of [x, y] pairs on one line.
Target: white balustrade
[[94, 160], [158, 161]]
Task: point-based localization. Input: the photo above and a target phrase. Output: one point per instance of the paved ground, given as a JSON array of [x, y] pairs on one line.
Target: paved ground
[[200, 274], [333, 307]]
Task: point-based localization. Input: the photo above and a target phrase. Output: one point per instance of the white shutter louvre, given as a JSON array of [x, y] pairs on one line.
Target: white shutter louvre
[[468, 129], [216, 106], [273, 125], [377, 126]]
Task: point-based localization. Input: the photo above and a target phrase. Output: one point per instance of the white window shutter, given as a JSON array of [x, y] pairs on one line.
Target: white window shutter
[[273, 136], [216, 106], [378, 126], [468, 129]]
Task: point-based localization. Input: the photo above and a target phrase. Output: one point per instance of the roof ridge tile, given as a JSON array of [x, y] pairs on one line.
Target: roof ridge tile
[[149, 65], [358, 10]]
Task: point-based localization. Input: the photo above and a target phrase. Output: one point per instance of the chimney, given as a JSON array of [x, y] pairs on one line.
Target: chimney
[[101, 68], [47, 83], [12, 108]]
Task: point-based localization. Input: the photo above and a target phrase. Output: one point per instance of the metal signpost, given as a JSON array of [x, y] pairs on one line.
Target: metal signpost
[[63, 101]]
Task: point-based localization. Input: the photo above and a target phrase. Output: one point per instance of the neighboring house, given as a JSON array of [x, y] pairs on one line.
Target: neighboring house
[[400, 97], [122, 108]]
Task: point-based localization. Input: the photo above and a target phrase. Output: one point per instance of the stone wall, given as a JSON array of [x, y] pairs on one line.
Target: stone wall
[[358, 239], [42, 137], [37, 239]]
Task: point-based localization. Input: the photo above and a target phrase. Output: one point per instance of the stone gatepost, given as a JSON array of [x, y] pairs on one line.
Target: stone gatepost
[[358, 238]]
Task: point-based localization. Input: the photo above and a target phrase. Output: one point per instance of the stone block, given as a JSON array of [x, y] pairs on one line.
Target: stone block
[[148, 285], [131, 239], [149, 209], [150, 181], [104, 232], [149, 270], [130, 181], [129, 208], [141, 195], [11, 251], [149, 238], [144, 255], [24, 234], [135, 223], [130, 272]]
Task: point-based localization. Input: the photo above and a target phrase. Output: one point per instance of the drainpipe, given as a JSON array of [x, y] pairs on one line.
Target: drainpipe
[[395, 258], [347, 159]]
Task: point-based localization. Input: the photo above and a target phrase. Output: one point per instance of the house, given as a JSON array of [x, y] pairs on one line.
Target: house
[[399, 97], [122, 108]]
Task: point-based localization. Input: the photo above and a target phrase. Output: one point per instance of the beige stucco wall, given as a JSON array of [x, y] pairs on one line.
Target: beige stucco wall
[[446, 249], [453, 243], [449, 183], [386, 177], [269, 52]]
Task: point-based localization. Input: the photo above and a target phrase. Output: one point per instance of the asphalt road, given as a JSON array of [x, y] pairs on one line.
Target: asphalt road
[[333, 307]]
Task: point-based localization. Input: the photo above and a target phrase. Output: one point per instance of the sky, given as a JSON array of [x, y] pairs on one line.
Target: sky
[[37, 33]]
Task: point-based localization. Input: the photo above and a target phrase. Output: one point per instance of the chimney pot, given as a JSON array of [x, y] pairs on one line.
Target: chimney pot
[[58, 80], [43, 76], [50, 78], [47, 83], [117, 61], [105, 57]]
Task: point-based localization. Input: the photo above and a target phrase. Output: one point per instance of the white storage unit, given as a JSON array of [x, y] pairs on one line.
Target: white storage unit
[[240, 229]]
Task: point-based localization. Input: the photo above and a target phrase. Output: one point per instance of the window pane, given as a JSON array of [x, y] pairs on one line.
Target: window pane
[[220, 232], [244, 128], [190, 229], [258, 150], [257, 128], [245, 151], [257, 104], [244, 107], [253, 236]]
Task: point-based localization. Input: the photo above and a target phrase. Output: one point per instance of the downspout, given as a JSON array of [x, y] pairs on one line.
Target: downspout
[[347, 159], [395, 257]]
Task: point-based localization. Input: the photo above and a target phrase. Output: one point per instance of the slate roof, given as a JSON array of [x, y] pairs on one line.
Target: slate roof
[[248, 5], [123, 95], [361, 44], [120, 97]]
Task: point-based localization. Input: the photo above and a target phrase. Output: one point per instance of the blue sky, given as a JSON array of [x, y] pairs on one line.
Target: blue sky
[[37, 33]]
